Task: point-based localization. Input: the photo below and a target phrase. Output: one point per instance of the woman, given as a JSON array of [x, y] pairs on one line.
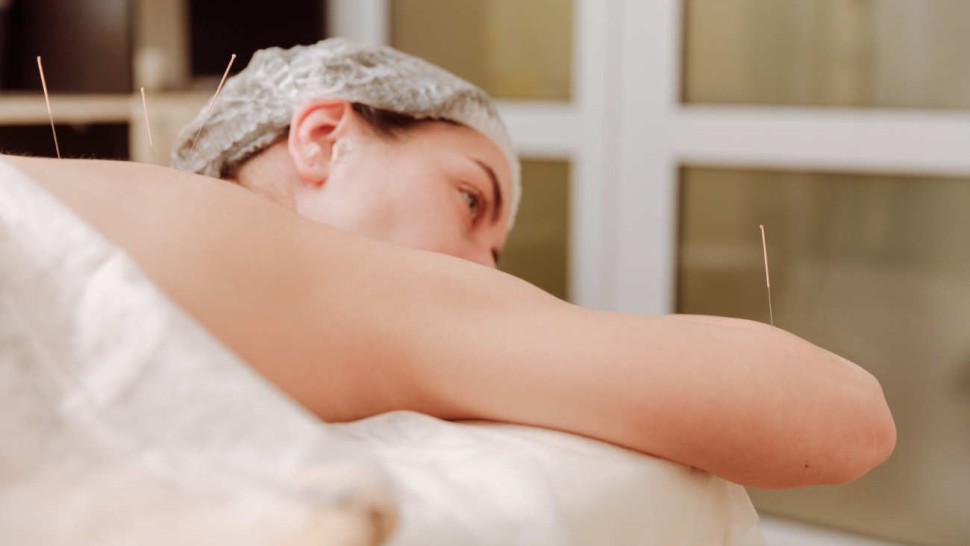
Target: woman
[[352, 326]]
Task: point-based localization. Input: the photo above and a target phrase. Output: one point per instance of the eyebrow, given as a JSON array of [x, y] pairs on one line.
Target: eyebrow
[[496, 190]]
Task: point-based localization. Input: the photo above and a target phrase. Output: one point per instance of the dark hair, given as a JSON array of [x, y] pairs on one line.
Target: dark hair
[[390, 124], [384, 123]]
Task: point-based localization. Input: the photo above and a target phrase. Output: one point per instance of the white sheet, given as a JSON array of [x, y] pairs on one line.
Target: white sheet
[[125, 422]]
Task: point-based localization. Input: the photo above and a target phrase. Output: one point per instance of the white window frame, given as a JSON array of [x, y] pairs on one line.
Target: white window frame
[[659, 134], [365, 21]]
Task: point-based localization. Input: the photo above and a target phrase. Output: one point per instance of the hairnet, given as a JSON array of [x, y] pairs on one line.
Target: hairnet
[[256, 105]]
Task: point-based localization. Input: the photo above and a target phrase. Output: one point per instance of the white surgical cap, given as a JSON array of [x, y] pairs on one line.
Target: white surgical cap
[[255, 106]]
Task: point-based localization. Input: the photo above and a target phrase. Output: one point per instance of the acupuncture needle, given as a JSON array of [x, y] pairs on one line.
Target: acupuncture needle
[[47, 99], [764, 247], [213, 101], [148, 123]]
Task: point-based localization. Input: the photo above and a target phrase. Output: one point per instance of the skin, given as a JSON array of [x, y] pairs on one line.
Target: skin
[[352, 327], [439, 186]]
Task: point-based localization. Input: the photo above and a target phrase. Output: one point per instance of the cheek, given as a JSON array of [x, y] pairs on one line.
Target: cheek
[[426, 231], [403, 201], [426, 220]]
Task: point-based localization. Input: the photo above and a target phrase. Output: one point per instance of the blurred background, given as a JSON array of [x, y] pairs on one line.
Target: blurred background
[[655, 137]]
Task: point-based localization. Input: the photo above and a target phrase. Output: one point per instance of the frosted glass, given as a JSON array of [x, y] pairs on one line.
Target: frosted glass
[[510, 48], [848, 53], [876, 268], [538, 247]]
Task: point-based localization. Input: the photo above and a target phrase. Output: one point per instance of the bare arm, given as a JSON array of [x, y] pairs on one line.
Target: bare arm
[[351, 328]]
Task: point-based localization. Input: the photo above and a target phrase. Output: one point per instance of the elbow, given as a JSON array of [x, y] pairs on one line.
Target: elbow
[[839, 463], [880, 446], [847, 447], [873, 438]]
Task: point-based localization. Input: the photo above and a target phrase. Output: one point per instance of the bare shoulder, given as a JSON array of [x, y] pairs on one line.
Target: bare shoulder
[[176, 225], [105, 193]]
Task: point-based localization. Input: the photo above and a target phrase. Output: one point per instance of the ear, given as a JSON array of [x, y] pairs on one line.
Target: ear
[[314, 128]]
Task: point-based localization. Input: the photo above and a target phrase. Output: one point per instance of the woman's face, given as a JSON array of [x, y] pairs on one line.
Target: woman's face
[[439, 187]]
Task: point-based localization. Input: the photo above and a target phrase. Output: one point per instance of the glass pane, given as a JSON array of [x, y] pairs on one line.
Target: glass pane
[[538, 247], [850, 53], [509, 48], [875, 268]]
